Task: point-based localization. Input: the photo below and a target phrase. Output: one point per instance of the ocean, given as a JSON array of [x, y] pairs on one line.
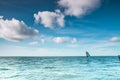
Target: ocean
[[60, 68]]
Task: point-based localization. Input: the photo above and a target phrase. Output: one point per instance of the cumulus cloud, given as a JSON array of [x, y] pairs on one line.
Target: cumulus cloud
[[114, 39], [74, 40], [15, 30], [1, 17], [60, 39], [65, 40], [50, 19], [33, 43], [43, 41], [78, 8]]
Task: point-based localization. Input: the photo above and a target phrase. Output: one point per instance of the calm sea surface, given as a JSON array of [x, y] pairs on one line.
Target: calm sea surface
[[59, 68]]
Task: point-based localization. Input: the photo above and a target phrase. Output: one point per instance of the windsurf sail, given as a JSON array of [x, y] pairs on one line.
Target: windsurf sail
[[87, 55]]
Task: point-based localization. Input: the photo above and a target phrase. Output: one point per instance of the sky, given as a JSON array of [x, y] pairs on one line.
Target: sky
[[59, 27]]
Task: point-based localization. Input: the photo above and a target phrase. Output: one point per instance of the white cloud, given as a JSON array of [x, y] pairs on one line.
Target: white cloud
[[33, 43], [74, 40], [1, 17], [78, 8], [50, 19], [43, 41], [15, 30], [60, 39], [115, 39], [65, 40]]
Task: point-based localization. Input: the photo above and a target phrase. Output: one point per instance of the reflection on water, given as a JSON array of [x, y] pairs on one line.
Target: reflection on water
[[59, 68]]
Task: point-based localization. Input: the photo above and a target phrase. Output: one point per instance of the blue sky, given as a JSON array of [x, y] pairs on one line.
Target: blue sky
[[59, 27]]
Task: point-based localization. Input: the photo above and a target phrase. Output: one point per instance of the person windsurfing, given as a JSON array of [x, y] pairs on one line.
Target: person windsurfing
[[87, 55]]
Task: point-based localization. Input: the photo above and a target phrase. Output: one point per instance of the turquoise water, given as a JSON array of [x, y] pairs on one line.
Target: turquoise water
[[59, 68]]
